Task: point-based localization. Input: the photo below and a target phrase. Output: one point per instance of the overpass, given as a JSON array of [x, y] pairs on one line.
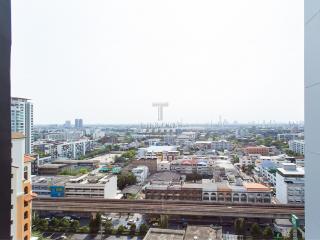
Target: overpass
[[167, 207]]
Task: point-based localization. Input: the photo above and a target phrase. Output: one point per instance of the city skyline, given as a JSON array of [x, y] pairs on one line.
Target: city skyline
[[249, 68]]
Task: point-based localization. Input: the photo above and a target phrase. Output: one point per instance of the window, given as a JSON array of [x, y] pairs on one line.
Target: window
[[26, 204], [26, 214], [26, 227], [26, 190], [25, 175]]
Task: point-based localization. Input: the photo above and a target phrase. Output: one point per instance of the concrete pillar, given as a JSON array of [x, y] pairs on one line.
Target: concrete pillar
[[312, 116]]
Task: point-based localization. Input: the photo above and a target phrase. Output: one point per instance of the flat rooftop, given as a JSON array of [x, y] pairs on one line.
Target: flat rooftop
[[164, 234], [52, 180], [161, 148], [203, 233], [67, 161], [299, 171], [52, 166]]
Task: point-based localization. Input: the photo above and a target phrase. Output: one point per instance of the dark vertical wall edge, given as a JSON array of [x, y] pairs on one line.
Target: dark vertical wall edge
[[5, 119]]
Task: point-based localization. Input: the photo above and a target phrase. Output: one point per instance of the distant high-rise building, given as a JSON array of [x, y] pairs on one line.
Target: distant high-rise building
[[22, 120], [67, 124], [78, 123]]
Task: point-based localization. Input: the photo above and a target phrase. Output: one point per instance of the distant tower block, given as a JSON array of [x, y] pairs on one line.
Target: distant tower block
[[160, 106]]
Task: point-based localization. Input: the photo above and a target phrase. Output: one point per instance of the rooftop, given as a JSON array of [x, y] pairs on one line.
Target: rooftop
[[69, 161], [28, 158], [17, 135], [203, 233], [164, 234], [53, 166], [251, 187], [161, 148], [291, 169]]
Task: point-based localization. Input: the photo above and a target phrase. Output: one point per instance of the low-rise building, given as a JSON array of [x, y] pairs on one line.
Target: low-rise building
[[141, 173], [52, 169], [87, 186], [290, 184], [285, 137], [150, 162], [191, 233], [163, 153], [163, 166], [211, 191], [262, 150], [173, 192], [105, 187], [246, 161], [89, 163], [222, 145]]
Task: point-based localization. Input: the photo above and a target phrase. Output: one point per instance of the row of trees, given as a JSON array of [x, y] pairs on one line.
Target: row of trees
[[56, 225], [97, 152], [126, 157], [95, 226], [255, 230], [74, 172]]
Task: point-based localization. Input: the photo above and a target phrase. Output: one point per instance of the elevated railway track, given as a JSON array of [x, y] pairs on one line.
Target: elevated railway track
[[168, 207]]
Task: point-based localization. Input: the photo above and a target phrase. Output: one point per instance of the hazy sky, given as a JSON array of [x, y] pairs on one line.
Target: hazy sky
[[106, 61]]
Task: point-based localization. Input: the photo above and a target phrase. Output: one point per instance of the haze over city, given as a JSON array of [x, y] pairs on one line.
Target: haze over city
[[206, 59]]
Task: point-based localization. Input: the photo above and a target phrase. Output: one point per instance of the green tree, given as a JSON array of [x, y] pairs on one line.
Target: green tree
[[95, 223], [267, 233], [164, 221], [126, 179], [75, 226], [43, 225], [108, 228], [98, 219], [121, 229], [130, 154], [255, 231], [64, 225], [133, 228], [235, 159], [239, 226], [83, 170], [143, 229], [84, 229], [54, 224]]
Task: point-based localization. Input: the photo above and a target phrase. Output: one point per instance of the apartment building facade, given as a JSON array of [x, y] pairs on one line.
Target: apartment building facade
[[222, 145], [21, 194], [297, 146]]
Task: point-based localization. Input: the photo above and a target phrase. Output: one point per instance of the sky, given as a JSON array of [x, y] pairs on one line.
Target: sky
[[106, 61]]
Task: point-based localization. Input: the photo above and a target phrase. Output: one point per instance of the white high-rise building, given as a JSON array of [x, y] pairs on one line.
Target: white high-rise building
[[22, 120]]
